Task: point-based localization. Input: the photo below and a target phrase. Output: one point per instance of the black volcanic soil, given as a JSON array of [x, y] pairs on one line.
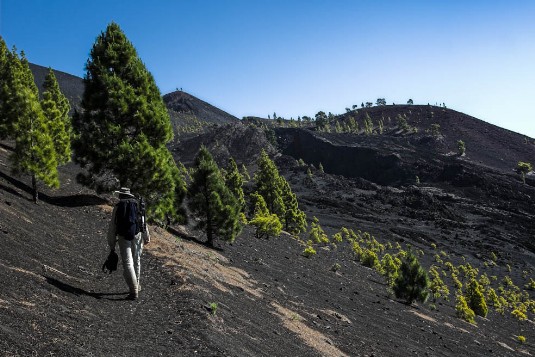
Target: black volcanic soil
[[262, 297], [271, 301], [55, 300], [485, 143]]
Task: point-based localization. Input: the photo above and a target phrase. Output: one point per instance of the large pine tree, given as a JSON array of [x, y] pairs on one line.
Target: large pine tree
[[211, 200], [4, 53], [124, 126], [34, 152], [56, 108]]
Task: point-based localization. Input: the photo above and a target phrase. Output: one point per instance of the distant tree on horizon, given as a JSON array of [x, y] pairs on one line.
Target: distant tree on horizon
[[380, 102], [410, 102], [321, 120]]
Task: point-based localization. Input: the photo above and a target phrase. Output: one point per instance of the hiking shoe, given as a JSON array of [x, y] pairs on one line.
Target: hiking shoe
[[132, 296]]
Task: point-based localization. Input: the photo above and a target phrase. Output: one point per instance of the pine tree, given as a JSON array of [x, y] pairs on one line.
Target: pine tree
[[412, 282], [211, 200], [234, 181], [34, 152], [437, 287], [476, 299], [245, 173], [461, 147], [294, 219], [353, 125], [463, 310], [267, 224], [316, 233], [4, 87], [268, 185], [368, 124], [390, 268], [56, 108], [124, 127]]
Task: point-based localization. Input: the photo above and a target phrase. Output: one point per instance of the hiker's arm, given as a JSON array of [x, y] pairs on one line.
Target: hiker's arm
[[112, 236], [146, 235]]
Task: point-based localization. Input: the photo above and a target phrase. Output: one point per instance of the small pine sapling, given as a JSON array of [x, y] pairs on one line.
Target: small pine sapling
[[461, 147], [369, 259], [266, 224], [390, 268], [412, 282], [309, 250], [476, 299], [437, 286], [463, 310], [316, 233], [337, 237], [523, 168]]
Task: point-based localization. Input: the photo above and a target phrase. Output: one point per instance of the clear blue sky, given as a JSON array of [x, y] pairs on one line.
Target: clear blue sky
[[296, 57]]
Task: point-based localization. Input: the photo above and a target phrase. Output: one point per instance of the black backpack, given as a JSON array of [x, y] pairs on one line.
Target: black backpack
[[127, 219]]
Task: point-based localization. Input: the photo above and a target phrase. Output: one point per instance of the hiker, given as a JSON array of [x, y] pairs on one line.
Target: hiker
[[131, 239]]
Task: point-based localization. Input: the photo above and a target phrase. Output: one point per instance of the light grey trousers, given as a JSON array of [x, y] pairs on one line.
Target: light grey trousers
[[131, 257]]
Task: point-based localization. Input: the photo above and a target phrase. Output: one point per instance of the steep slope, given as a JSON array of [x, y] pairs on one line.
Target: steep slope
[[485, 143], [254, 297], [189, 113], [241, 142], [56, 300], [184, 109], [71, 86]]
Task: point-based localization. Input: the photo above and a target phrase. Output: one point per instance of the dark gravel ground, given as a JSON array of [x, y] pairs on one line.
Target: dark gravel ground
[[55, 300], [254, 297]]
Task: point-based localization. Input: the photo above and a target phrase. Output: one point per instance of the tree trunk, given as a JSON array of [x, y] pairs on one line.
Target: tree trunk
[[34, 188], [209, 236], [209, 233]]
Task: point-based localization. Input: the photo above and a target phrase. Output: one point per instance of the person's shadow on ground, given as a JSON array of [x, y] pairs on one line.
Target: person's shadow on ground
[[78, 291]]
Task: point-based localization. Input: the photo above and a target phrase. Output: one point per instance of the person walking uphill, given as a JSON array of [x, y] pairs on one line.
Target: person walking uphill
[[128, 228]]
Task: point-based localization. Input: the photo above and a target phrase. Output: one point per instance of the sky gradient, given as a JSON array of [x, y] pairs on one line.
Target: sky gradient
[[298, 57]]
